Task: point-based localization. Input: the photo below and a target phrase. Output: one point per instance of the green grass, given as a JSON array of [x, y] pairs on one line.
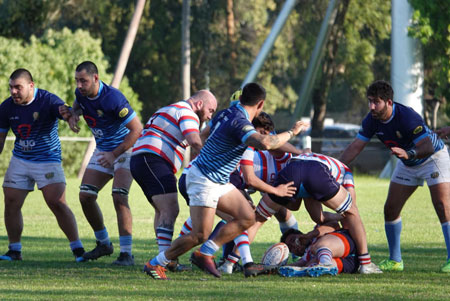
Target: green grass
[[48, 270]]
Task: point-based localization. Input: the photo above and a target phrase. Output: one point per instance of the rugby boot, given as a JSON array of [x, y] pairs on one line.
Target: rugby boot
[[78, 253], [205, 262], [391, 265], [124, 259], [252, 269], [155, 271], [446, 267], [11, 255], [99, 251], [292, 271], [174, 266], [322, 269], [370, 268]]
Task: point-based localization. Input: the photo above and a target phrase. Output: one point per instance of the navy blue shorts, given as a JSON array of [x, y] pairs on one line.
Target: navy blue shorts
[[349, 263], [182, 187], [154, 174], [310, 176]]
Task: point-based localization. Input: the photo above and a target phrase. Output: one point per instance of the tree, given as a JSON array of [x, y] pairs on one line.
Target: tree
[[432, 28]]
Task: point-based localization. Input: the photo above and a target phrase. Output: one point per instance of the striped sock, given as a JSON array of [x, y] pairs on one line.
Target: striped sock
[[126, 243], [364, 259], [291, 223], [187, 227], [325, 256], [102, 236], [446, 232], [76, 244], [163, 238], [243, 244], [209, 248], [393, 230], [15, 246], [233, 258]]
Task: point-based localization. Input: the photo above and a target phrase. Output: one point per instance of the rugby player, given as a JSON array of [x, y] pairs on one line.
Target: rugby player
[[423, 156]]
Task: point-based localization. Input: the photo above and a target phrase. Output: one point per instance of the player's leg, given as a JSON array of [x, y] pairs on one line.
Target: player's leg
[[55, 197], [397, 196], [120, 190], [14, 199], [440, 195], [92, 182]]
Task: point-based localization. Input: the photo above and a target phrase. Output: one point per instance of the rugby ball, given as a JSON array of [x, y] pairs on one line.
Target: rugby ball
[[277, 254]]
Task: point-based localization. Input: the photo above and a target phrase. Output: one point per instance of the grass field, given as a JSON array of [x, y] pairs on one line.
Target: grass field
[[48, 270]]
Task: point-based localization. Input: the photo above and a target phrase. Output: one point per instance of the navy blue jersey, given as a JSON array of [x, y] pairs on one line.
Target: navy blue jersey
[[223, 149], [107, 116], [35, 126], [404, 129]]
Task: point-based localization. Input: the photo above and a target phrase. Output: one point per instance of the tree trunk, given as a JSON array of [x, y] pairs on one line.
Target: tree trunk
[[231, 39], [320, 92]]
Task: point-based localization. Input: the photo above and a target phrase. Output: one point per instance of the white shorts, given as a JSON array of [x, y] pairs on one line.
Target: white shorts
[[202, 191], [434, 170], [23, 174], [123, 161]]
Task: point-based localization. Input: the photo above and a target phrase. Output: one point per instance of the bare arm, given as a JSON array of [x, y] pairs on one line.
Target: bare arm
[[352, 151], [423, 149], [262, 142], [289, 148], [443, 132], [195, 142], [252, 180], [135, 127], [2, 140]]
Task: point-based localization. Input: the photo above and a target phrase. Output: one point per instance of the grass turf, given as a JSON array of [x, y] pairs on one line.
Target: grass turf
[[49, 271]]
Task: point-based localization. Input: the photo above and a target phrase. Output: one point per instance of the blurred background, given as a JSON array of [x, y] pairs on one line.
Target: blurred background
[[50, 37]]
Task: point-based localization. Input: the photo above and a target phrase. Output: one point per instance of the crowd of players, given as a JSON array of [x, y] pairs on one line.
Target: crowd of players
[[236, 151]]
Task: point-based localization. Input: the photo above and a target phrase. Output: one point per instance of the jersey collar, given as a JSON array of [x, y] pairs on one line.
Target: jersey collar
[[100, 88], [392, 115], [238, 105]]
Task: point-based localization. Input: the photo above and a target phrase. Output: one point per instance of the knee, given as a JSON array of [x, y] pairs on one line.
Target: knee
[[248, 221], [199, 237], [88, 193]]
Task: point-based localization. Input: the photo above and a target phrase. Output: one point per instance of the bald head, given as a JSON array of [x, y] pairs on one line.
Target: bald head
[[204, 104]]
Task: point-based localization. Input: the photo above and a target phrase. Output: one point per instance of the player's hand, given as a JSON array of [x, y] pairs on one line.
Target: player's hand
[[65, 112], [106, 159], [399, 152], [286, 190], [73, 123], [299, 126], [443, 132]]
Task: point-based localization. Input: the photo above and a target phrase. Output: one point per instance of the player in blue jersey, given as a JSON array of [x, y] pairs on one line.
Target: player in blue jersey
[[32, 114], [208, 187], [116, 128], [423, 156]]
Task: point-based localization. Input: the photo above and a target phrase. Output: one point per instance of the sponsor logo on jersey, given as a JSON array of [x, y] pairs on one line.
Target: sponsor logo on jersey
[[123, 112], [379, 133], [27, 145], [100, 113], [399, 135], [418, 129], [248, 128], [35, 116]]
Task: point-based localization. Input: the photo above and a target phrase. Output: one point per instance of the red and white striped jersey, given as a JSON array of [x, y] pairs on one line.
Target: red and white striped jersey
[[165, 132], [339, 170], [265, 165]]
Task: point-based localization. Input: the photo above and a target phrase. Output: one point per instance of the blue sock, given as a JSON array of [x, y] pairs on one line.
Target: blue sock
[[126, 243], [102, 236], [227, 249], [393, 230], [217, 228], [15, 246], [75, 244], [446, 231], [209, 248]]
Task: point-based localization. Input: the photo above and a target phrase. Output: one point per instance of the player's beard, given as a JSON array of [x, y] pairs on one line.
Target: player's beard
[[381, 115]]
